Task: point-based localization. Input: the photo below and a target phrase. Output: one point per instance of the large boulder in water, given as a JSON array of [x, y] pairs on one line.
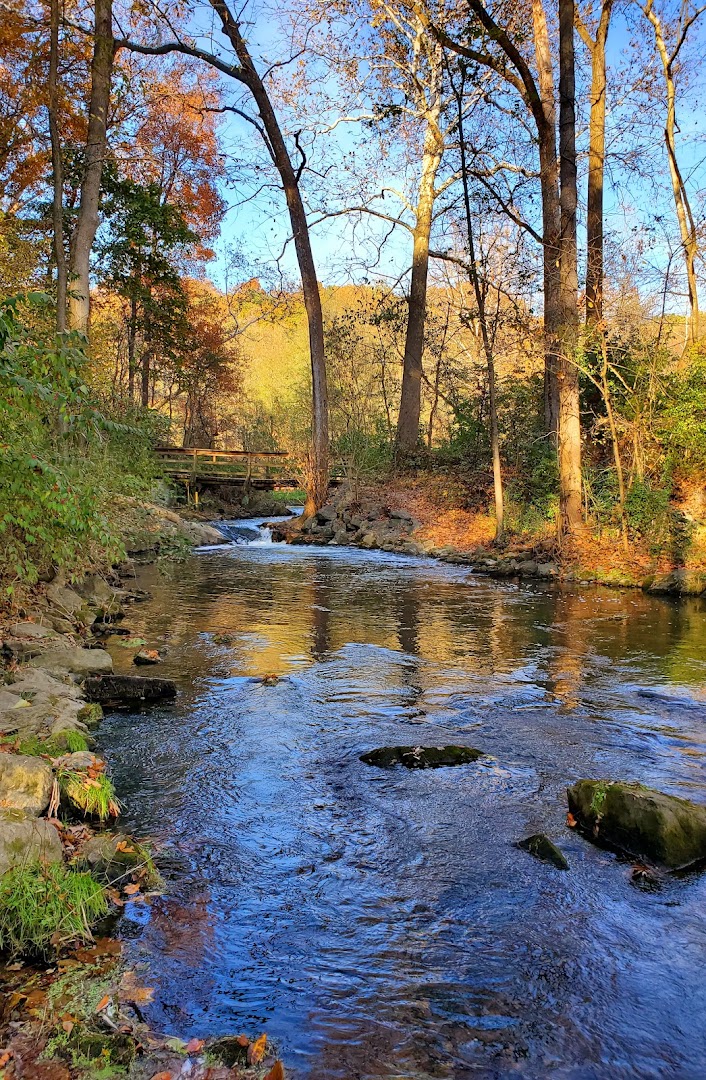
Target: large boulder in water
[[421, 757], [641, 821]]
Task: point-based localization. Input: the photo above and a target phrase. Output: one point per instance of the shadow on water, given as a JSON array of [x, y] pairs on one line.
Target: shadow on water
[[384, 923]]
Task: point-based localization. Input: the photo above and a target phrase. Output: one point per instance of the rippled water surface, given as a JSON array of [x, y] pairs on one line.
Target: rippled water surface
[[384, 923]]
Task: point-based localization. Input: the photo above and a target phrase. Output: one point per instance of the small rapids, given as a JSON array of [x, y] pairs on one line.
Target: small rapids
[[384, 923]]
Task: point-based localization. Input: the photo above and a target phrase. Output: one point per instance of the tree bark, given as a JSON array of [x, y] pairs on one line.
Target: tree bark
[[57, 169], [318, 479], [569, 442], [596, 163], [87, 224], [685, 218], [480, 295], [411, 397]]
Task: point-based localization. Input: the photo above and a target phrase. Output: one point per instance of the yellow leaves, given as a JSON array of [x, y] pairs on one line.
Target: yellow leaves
[[256, 1050]]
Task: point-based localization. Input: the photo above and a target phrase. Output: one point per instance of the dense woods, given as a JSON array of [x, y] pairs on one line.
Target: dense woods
[[388, 237]]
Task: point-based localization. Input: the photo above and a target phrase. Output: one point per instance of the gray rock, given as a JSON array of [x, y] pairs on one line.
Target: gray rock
[[641, 821], [128, 689], [24, 841], [76, 661], [77, 761], [527, 566], [369, 541], [67, 600], [421, 757], [326, 514], [32, 631], [202, 535], [542, 848], [401, 515], [25, 784], [547, 569], [111, 856]]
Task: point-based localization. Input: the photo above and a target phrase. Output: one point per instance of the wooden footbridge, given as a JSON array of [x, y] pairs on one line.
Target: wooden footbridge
[[264, 470]]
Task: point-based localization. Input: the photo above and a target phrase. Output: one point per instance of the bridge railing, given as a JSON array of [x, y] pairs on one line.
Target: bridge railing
[[194, 463]]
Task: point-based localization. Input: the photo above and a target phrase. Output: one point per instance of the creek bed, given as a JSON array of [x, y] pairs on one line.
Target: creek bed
[[384, 922]]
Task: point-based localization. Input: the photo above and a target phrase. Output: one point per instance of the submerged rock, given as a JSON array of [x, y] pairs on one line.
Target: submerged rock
[[421, 757], [641, 821], [542, 848], [25, 840], [128, 689], [25, 783]]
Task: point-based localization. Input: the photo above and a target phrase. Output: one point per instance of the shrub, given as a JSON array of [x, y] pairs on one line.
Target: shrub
[[44, 907]]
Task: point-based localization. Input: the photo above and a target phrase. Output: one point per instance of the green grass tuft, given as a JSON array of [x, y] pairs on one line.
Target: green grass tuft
[[67, 742], [93, 796], [44, 907]]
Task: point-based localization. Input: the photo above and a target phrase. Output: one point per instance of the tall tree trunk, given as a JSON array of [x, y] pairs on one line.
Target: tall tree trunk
[[480, 290], [551, 216], [411, 397], [596, 162], [145, 379], [318, 480], [87, 224], [57, 170], [685, 217], [131, 342], [569, 443]]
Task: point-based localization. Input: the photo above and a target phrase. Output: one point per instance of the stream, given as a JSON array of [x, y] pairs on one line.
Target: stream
[[383, 923]]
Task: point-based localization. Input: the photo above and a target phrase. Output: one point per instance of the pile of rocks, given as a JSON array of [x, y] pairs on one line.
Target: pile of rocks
[[346, 524]]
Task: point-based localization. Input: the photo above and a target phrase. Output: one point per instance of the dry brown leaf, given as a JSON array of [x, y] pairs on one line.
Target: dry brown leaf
[[276, 1072], [68, 1026], [243, 1040], [130, 890], [194, 1045], [571, 820], [256, 1050], [162, 1076], [103, 1003]]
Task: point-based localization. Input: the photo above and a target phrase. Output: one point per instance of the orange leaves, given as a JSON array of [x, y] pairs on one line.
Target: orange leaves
[[194, 1046], [571, 820], [276, 1072], [131, 992], [256, 1050], [103, 1003]]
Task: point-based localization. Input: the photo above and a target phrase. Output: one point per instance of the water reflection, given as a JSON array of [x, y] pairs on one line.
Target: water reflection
[[385, 924]]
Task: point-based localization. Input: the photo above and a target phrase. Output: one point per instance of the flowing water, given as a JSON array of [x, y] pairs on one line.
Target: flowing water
[[384, 922]]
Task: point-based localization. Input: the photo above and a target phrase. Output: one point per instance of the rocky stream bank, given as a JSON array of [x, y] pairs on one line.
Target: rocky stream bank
[[377, 521], [70, 1007]]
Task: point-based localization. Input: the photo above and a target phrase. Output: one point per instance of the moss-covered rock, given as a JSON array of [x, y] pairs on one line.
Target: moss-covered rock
[[542, 848], [25, 840], [25, 783], [641, 821], [90, 714], [421, 757], [111, 856]]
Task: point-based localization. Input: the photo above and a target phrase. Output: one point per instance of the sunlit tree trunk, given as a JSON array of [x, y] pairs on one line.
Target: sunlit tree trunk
[[569, 441], [596, 162], [57, 169], [411, 397], [685, 218], [87, 224]]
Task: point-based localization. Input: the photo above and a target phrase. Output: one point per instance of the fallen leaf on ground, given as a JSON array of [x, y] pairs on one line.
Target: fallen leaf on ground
[[130, 890], [571, 821], [276, 1072], [256, 1050], [194, 1045], [162, 1076], [243, 1040], [103, 1003], [68, 1026]]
